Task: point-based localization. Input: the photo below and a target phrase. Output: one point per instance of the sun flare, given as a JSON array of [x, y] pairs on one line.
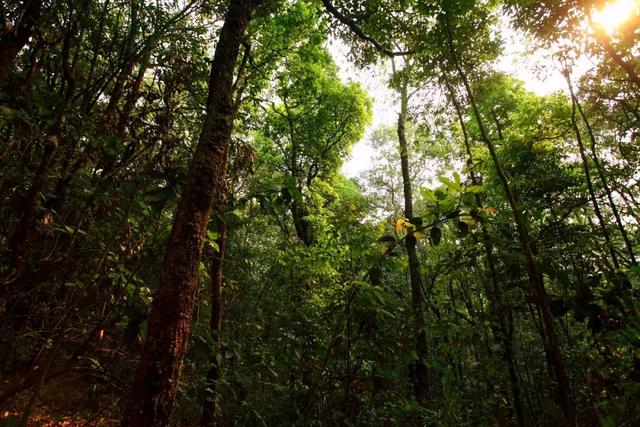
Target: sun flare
[[613, 14]]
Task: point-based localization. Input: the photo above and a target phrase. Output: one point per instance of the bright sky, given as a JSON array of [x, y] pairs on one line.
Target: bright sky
[[533, 67], [614, 13], [374, 81]]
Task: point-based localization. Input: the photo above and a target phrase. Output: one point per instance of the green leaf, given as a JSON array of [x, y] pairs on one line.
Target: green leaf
[[446, 181], [428, 194], [474, 189], [212, 238], [130, 288], [233, 218], [468, 200]]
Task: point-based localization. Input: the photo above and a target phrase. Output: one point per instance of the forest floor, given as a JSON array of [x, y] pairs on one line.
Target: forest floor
[[9, 419], [63, 405]]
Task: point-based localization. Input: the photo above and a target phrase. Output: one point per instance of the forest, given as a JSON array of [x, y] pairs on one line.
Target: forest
[[184, 240]]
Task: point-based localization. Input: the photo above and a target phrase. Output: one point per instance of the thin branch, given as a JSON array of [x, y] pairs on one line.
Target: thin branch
[[358, 31]]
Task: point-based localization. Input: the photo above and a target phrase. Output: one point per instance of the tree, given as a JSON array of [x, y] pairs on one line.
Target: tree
[[16, 34], [421, 375], [307, 133], [282, 289], [170, 320], [535, 277]]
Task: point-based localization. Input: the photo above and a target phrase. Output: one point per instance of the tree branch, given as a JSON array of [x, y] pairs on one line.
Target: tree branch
[[358, 31]]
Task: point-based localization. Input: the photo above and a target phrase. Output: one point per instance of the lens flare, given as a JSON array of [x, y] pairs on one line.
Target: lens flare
[[613, 14]]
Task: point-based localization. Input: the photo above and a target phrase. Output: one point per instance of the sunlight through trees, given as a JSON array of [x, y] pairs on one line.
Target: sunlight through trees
[[179, 245]]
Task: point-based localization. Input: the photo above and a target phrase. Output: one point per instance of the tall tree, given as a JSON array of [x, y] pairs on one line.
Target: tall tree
[[421, 371], [553, 348], [497, 302], [157, 377]]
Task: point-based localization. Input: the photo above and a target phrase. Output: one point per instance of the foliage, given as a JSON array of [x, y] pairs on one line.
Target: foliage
[[100, 114]]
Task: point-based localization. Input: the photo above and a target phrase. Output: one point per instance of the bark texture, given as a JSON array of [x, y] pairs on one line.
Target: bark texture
[[157, 377]]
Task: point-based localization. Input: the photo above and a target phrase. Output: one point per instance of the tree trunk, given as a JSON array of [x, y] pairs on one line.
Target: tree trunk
[[209, 406], [300, 223], [13, 41], [421, 371], [587, 174], [27, 220], [601, 174], [562, 386], [495, 295], [169, 326]]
